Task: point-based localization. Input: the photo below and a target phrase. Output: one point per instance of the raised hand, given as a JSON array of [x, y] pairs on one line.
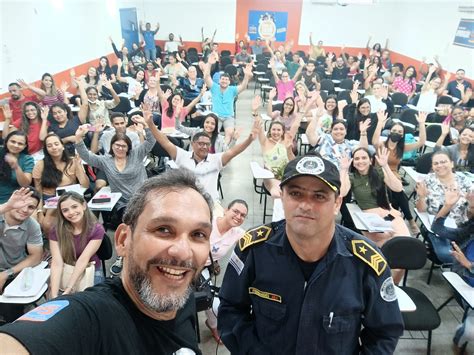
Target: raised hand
[[459, 256], [382, 156], [301, 62], [11, 160], [167, 93], [288, 140], [256, 127], [108, 84], [345, 162], [256, 103], [138, 119], [103, 78], [432, 69], [212, 59], [7, 112], [158, 61], [421, 117], [445, 129], [248, 70], [147, 115], [451, 196], [64, 86], [461, 88], [44, 113], [354, 95], [421, 189], [364, 126], [382, 117], [272, 94], [81, 132], [119, 63], [72, 73], [19, 198], [23, 84]]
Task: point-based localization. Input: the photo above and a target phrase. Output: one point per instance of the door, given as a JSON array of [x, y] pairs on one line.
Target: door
[[129, 24]]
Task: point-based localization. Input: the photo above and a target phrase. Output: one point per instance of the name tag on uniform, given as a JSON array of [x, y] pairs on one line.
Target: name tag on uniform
[[262, 294]]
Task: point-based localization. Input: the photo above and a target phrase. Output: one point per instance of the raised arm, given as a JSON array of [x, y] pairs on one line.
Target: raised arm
[[7, 114], [426, 85], [24, 85], [197, 99], [444, 85], [247, 76], [421, 118], [312, 131], [108, 85], [119, 72], [393, 182], [163, 140], [256, 104], [368, 44], [300, 69], [445, 129], [239, 148], [274, 73], [118, 53], [363, 127], [44, 123], [271, 96], [344, 175], [211, 60], [382, 118]]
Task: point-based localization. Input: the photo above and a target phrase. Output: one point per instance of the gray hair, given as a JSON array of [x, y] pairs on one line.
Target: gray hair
[[175, 180]]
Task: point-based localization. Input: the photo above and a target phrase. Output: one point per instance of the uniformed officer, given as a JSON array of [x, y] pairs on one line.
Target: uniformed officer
[[305, 285]]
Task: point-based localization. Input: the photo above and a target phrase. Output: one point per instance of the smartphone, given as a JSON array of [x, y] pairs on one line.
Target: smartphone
[[92, 128], [389, 217]]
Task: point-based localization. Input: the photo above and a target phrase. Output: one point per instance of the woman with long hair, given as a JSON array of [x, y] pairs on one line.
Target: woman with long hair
[[104, 68], [277, 147], [369, 188], [286, 114], [34, 123], [15, 164], [331, 113], [395, 144], [47, 93], [431, 196], [57, 169], [175, 68], [433, 88], [461, 153], [65, 125], [406, 84], [74, 240], [136, 83], [457, 121]]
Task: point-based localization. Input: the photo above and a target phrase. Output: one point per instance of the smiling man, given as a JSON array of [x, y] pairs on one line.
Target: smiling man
[[150, 309], [305, 285]]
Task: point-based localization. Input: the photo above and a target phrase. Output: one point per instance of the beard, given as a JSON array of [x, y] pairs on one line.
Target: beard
[[142, 284]]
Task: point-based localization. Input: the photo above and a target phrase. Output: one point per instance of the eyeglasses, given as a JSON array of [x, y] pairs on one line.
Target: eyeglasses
[[120, 146], [441, 162], [238, 213], [203, 144]]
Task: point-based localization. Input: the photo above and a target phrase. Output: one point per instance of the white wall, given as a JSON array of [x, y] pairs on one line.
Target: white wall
[[415, 28], [186, 17], [39, 36]]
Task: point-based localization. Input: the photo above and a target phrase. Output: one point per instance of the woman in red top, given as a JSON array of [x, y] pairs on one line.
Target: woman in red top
[[407, 83], [34, 123]]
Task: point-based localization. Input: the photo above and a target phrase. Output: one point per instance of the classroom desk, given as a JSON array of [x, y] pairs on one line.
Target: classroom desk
[[405, 303], [460, 286], [105, 206]]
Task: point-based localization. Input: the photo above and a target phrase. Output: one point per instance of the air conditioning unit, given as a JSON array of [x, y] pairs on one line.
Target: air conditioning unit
[[468, 9]]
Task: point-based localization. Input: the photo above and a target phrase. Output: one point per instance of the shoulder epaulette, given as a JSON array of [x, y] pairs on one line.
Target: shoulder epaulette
[[254, 236], [367, 253]]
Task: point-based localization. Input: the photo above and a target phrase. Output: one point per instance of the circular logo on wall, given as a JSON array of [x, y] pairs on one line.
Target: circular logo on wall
[[266, 26]]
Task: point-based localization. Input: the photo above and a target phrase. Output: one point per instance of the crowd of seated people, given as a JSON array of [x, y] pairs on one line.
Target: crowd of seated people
[[125, 108]]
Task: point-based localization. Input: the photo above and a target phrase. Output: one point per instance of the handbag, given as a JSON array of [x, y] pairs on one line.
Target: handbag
[[84, 281]]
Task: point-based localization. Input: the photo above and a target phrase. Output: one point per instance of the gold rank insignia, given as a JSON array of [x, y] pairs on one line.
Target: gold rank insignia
[[254, 236], [369, 255], [262, 294]]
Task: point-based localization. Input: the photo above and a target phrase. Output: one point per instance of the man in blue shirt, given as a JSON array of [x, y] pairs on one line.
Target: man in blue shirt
[[224, 94], [149, 38]]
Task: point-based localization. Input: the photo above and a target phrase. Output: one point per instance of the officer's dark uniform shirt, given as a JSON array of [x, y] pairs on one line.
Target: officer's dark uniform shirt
[[102, 320], [268, 308]]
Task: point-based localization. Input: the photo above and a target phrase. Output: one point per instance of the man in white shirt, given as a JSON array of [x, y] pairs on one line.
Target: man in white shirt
[[205, 165], [172, 45]]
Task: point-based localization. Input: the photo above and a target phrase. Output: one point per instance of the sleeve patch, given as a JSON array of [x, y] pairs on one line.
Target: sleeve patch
[[387, 290], [365, 252], [236, 263], [254, 236], [45, 311]]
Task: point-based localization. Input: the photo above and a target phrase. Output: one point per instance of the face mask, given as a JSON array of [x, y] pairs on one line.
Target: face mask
[[92, 102], [395, 137]]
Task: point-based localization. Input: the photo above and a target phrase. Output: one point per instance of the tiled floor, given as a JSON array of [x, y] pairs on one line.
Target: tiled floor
[[237, 183]]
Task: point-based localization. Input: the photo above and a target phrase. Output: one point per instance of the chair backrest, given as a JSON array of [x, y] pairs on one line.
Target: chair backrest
[[423, 164], [344, 95], [346, 84], [193, 58], [261, 68], [409, 116], [405, 253], [224, 61], [105, 250], [445, 100], [433, 132], [225, 53], [321, 59], [324, 95], [327, 85], [259, 57], [192, 50], [359, 77], [230, 69], [399, 98]]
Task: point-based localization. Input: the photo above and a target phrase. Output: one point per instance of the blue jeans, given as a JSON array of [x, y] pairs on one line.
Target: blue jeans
[[442, 248], [98, 276], [150, 54]]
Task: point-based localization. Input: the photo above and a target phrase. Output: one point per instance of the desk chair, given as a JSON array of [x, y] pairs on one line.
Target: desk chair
[[425, 317], [260, 173], [105, 252]]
